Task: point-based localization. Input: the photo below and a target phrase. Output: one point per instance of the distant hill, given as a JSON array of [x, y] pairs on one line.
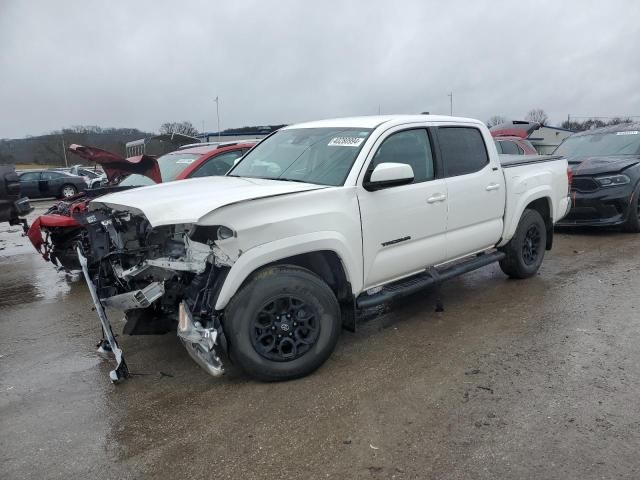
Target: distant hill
[[47, 149]]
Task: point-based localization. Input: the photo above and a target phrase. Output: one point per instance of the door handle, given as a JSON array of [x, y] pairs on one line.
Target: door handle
[[438, 197], [492, 186]]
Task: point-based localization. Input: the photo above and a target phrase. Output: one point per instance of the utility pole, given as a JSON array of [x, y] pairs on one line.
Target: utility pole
[[217, 100], [451, 103], [64, 152]]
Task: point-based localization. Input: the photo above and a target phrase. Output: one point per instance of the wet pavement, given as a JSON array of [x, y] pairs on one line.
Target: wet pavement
[[515, 379]]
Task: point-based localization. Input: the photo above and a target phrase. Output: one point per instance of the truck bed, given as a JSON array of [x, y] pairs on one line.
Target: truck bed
[[515, 160]]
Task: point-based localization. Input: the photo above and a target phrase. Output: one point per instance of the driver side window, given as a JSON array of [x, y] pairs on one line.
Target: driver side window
[[411, 147]]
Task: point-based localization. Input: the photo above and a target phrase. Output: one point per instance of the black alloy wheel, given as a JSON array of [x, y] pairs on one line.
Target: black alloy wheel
[[285, 329], [525, 251], [282, 324], [531, 245]]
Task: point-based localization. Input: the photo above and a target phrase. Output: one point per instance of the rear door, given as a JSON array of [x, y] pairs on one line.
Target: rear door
[[403, 227], [476, 190], [50, 184]]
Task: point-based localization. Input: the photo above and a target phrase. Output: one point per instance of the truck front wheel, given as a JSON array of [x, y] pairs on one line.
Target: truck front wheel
[[282, 324], [525, 251]]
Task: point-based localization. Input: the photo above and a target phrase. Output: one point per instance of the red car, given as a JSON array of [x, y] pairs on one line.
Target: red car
[[63, 223], [508, 145], [511, 137]]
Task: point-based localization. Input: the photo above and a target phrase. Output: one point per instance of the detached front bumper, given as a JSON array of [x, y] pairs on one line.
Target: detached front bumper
[[121, 371], [201, 343], [603, 207]]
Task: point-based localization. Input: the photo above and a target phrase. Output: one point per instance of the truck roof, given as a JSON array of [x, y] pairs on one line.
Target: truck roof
[[373, 121]]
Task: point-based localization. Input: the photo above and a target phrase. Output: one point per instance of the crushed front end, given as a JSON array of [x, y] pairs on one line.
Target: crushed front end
[[162, 279]]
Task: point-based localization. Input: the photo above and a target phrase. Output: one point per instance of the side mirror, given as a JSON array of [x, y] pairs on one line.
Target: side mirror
[[389, 174]]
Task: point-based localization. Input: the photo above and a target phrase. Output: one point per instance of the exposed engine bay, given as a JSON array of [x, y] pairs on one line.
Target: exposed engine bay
[[163, 278]]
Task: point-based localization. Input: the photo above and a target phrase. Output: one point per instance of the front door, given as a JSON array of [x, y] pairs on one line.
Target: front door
[[29, 184], [403, 227]]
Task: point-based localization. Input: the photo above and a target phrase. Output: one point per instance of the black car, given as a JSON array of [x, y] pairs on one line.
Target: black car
[[606, 176], [50, 183], [12, 207]]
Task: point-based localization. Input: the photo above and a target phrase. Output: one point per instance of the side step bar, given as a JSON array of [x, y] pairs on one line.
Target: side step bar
[[432, 276]]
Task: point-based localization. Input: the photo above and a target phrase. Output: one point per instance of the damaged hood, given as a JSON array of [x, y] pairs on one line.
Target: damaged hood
[[602, 164], [115, 166], [187, 201]]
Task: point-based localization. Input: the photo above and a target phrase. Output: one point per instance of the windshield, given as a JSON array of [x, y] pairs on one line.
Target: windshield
[[611, 143], [88, 173], [171, 165], [312, 155]]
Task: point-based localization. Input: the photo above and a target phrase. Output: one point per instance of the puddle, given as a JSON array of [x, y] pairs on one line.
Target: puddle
[[25, 277]]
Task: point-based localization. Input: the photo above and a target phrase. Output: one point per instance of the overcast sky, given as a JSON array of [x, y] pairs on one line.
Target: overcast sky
[[139, 64]]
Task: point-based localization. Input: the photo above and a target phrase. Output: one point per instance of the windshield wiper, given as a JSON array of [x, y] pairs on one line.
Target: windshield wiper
[[290, 180], [272, 178]]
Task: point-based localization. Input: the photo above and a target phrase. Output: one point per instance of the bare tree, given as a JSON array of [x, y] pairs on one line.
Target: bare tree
[[185, 128], [591, 123], [537, 115], [495, 120]]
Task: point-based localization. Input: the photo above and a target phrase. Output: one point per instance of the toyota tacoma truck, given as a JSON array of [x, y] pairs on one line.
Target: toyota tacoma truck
[[317, 223]]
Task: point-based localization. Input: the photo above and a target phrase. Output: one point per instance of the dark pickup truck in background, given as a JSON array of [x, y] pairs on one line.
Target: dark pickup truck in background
[[12, 207]]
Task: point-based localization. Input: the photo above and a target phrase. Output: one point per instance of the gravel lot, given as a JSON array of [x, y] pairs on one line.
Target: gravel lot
[[534, 379]]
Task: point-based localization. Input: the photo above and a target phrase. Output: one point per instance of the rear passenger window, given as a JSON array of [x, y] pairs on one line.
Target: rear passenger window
[[411, 147], [510, 148], [463, 150]]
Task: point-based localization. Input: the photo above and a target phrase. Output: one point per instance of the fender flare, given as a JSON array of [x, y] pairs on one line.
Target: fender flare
[[270, 252], [512, 219]]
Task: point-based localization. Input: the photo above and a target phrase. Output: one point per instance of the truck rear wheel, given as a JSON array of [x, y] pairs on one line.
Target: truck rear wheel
[[283, 324], [525, 251]]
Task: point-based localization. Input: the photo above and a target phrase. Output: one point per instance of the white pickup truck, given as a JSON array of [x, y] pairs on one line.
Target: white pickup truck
[[314, 224]]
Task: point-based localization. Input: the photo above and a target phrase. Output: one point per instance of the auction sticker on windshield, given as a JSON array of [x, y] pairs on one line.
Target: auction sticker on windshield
[[345, 142]]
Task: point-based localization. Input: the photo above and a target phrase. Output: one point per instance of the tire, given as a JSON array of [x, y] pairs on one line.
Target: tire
[[633, 220], [253, 321], [525, 251], [68, 190]]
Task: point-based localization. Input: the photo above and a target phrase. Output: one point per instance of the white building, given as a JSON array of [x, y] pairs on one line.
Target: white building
[[546, 139]]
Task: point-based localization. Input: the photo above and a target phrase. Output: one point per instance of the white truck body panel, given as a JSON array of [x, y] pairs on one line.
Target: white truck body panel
[[186, 201]]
